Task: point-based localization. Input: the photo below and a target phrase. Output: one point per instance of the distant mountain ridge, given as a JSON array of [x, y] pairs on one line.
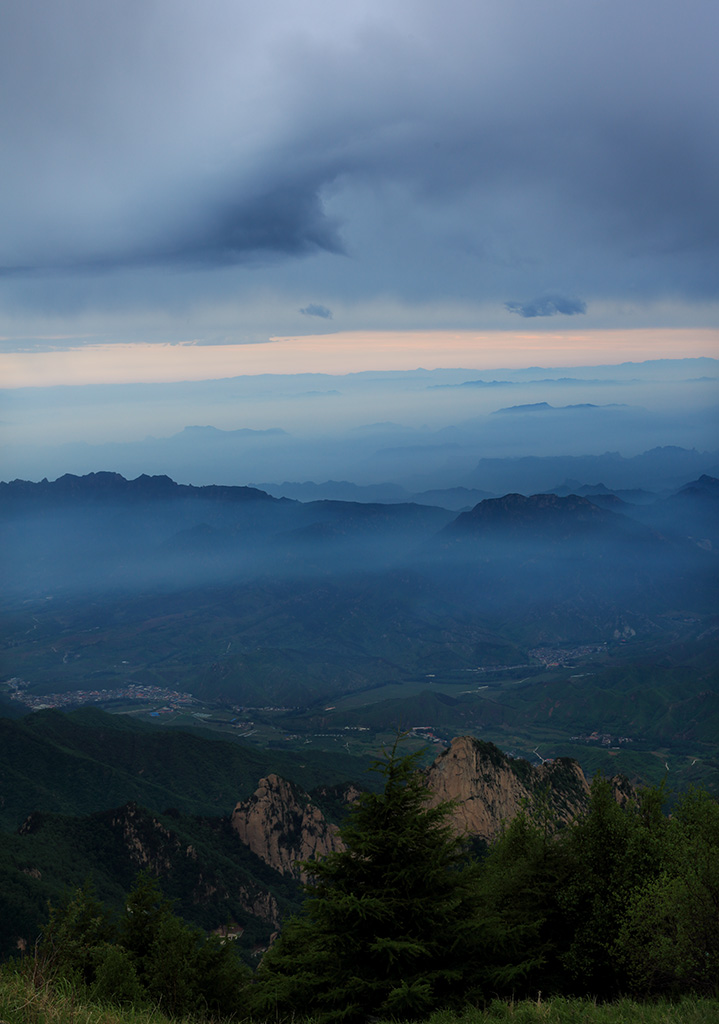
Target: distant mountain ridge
[[661, 469], [105, 486], [229, 592], [545, 514], [315, 427], [546, 407], [658, 469]]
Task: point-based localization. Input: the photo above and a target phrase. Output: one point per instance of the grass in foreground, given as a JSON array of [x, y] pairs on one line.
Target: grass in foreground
[[23, 1000], [691, 1010]]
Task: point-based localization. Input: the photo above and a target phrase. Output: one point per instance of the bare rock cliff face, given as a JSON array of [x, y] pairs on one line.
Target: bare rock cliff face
[[282, 826], [148, 843], [151, 845], [489, 788]]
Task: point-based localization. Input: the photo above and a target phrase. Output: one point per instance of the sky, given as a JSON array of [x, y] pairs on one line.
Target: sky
[[324, 186]]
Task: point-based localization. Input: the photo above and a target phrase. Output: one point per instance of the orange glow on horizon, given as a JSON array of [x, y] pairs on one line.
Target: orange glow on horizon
[[350, 352]]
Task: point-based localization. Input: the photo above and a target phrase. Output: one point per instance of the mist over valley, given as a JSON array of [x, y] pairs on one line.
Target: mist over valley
[[359, 512], [530, 575], [416, 431]]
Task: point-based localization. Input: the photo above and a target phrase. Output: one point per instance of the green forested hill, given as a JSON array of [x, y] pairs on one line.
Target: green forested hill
[[70, 786], [88, 761], [211, 876]]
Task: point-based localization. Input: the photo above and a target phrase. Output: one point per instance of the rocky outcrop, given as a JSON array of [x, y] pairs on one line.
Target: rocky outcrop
[[488, 788], [148, 842], [282, 826], [198, 862]]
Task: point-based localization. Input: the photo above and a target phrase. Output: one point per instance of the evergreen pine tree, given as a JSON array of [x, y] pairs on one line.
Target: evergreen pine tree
[[180, 969], [524, 931], [390, 924]]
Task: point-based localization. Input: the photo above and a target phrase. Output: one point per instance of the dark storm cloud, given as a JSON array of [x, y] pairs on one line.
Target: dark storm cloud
[[548, 305], [288, 221], [314, 309], [449, 156]]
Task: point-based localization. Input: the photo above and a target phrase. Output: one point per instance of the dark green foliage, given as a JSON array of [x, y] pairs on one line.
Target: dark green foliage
[[390, 924], [115, 978], [669, 940], [523, 927], [203, 867], [623, 900], [149, 957], [402, 922], [610, 854], [53, 763], [76, 937], [87, 760]]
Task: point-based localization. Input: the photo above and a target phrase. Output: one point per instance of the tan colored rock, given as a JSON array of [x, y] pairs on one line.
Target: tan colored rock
[[282, 826], [488, 788]]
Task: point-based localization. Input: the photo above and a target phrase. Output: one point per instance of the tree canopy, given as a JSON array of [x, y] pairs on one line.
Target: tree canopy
[[148, 957], [404, 919], [390, 922]]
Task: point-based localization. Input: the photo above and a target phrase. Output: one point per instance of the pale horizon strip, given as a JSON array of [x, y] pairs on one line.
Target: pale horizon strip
[[350, 352]]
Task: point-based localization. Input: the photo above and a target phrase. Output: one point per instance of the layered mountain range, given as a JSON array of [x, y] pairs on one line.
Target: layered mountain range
[[231, 595], [102, 533]]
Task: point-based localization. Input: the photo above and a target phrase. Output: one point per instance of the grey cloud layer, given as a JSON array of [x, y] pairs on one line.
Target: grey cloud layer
[[482, 151], [547, 305], [316, 309]]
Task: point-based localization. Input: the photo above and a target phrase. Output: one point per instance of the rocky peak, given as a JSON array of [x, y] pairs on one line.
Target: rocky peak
[[517, 515], [282, 826], [489, 788]]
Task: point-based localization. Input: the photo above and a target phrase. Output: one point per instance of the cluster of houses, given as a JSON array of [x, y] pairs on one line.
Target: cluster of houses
[[72, 698]]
